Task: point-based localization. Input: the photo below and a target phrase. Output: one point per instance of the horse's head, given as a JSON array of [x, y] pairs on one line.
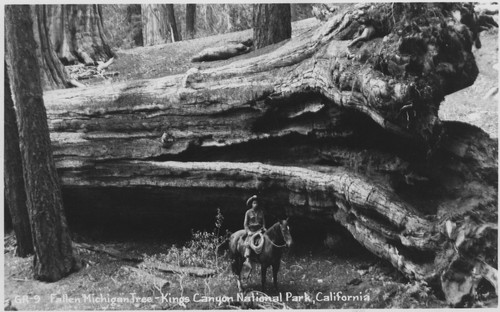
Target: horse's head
[[285, 231]]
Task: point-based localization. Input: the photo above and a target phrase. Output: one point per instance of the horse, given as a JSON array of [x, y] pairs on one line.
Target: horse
[[275, 238]]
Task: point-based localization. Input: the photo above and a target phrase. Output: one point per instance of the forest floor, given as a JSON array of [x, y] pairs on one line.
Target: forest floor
[[175, 58], [310, 277], [307, 271]]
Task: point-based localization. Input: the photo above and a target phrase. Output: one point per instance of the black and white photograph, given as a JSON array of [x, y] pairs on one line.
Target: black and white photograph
[[236, 156]]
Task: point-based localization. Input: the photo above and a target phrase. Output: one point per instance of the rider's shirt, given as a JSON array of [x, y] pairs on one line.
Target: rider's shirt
[[254, 220]]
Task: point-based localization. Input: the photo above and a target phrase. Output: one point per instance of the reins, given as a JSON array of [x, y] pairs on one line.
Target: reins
[[271, 241], [284, 245]]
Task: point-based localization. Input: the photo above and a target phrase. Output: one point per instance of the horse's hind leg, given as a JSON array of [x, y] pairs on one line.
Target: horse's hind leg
[[276, 268], [236, 267], [238, 282], [249, 273]]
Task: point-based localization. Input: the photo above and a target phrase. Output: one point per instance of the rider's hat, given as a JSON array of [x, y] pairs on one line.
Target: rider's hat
[[250, 200]]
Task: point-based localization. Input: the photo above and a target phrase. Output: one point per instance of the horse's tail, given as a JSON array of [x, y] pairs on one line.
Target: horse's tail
[[222, 247]]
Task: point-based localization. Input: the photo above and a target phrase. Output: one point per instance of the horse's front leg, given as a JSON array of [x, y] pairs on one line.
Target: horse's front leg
[[276, 268], [263, 273]]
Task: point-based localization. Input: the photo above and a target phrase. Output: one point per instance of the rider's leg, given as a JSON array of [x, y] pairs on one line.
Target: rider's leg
[[247, 256], [247, 265]]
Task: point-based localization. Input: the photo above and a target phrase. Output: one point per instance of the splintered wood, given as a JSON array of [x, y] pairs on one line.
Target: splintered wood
[[85, 72]]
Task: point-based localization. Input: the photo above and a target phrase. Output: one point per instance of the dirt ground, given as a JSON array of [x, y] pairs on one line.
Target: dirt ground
[[307, 275], [310, 276]]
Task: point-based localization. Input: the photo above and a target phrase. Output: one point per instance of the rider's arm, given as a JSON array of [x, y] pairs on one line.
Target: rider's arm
[[245, 223]]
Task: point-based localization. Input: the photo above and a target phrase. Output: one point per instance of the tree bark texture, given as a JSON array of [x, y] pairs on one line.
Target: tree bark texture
[[271, 24], [328, 125], [134, 17], [172, 24], [190, 20], [7, 219], [53, 251], [15, 195], [53, 73], [77, 33], [154, 24]]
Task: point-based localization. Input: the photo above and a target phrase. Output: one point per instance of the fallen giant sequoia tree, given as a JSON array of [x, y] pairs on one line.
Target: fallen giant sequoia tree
[[336, 128]]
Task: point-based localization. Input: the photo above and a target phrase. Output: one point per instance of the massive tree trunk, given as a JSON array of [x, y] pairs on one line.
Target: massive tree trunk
[[53, 73], [190, 20], [77, 33], [134, 17], [154, 24], [53, 251], [172, 24], [271, 24], [15, 195], [326, 127]]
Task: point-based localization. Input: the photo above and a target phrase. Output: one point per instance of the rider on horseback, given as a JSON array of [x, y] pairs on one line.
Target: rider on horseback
[[254, 222]]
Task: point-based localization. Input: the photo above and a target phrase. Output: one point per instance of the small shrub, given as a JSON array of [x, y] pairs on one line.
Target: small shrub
[[200, 251]]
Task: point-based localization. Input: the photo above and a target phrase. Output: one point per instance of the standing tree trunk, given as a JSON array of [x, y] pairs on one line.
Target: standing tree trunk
[[190, 20], [7, 219], [172, 25], [154, 24], [59, 36], [134, 18], [53, 251], [271, 24], [78, 34], [15, 194], [53, 74]]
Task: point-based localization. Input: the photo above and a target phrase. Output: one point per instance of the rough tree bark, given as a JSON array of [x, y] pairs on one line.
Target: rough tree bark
[[53, 252], [77, 33], [15, 195], [134, 18], [154, 24], [172, 24], [331, 125], [53, 73], [7, 219], [272, 23], [190, 20]]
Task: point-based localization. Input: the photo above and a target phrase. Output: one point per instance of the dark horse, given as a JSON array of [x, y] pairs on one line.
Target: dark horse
[[275, 238]]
